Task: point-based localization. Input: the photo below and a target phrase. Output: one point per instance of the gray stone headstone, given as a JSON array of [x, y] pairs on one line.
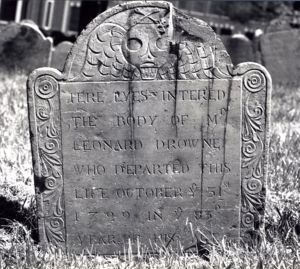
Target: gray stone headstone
[[240, 49], [280, 52], [23, 47], [59, 54], [149, 136]]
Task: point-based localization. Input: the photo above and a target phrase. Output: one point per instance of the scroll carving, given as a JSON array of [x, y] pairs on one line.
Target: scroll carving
[[47, 115], [254, 147]]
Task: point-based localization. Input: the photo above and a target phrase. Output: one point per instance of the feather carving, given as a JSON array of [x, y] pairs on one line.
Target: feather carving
[[104, 58], [197, 61]]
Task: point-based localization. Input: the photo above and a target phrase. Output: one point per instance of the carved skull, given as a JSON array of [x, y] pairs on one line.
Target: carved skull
[[146, 48]]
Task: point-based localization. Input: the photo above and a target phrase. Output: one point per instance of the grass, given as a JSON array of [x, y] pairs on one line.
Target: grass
[[278, 247]]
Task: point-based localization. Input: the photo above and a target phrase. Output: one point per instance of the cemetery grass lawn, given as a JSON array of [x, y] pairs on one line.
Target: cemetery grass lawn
[[277, 247]]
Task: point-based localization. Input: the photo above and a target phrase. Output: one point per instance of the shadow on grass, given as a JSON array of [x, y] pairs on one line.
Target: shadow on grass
[[12, 211]]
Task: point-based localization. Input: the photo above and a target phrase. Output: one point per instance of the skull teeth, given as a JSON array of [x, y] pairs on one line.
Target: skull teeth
[[148, 72]]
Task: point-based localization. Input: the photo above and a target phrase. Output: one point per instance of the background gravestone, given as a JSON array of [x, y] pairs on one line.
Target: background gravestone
[[24, 47], [149, 132], [281, 50], [59, 54], [240, 49]]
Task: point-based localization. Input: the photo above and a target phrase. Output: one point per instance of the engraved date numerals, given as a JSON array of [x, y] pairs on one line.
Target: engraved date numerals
[[95, 215]]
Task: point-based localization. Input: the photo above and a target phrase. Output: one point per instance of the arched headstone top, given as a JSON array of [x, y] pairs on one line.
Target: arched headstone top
[[144, 41]]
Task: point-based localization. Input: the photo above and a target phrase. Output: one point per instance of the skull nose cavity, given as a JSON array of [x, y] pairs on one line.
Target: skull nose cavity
[[148, 55]]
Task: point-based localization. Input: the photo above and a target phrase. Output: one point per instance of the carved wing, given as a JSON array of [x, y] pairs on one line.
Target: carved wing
[[197, 61], [167, 71], [104, 58]]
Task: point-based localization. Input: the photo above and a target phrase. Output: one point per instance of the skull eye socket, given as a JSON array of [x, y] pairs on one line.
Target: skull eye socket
[[134, 44], [162, 43]]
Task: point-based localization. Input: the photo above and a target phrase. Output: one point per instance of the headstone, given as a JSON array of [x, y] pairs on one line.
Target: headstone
[[24, 47], [280, 54], [59, 54], [240, 49], [149, 137]]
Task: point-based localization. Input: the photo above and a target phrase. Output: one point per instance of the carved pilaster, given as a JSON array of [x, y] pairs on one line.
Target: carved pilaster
[[256, 96], [45, 119]]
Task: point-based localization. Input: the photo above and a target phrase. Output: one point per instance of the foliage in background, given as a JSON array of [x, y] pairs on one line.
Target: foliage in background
[[244, 11], [277, 247]]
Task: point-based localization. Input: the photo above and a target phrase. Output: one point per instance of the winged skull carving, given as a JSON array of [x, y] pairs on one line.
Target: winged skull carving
[[143, 51]]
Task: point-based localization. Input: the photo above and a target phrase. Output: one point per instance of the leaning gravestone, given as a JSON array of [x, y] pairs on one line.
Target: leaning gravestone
[[23, 46], [149, 136], [59, 54]]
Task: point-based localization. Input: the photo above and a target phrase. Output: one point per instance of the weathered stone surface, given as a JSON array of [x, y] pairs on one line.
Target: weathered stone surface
[[280, 54], [24, 47], [59, 54], [149, 133]]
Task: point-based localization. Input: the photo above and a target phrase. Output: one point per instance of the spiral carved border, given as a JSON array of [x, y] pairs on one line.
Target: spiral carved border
[[47, 116], [254, 124], [254, 81]]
